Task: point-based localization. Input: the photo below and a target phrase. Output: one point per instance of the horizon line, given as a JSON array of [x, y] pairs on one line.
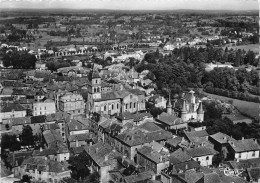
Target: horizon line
[[109, 9]]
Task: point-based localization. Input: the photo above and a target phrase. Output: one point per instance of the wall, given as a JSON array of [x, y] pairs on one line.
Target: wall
[[13, 114], [203, 160], [42, 108], [247, 155]]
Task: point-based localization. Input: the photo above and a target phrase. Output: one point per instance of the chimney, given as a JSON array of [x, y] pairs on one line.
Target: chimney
[[106, 157], [243, 138], [186, 167], [161, 158], [96, 150], [40, 149]]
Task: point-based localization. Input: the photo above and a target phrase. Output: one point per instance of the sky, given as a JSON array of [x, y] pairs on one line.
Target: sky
[[134, 4]]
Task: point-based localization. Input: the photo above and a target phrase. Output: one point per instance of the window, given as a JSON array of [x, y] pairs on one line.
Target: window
[[96, 81], [65, 158], [134, 105], [117, 106], [105, 108], [112, 106], [207, 158], [239, 155], [126, 106], [253, 154], [45, 107], [95, 90], [131, 96], [130, 105], [40, 172]]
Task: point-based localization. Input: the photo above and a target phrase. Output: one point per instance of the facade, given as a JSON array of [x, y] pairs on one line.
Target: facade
[[43, 170], [153, 159], [11, 110], [244, 149], [103, 159], [191, 109], [72, 103], [113, 102], [43, 108], [203, 155]]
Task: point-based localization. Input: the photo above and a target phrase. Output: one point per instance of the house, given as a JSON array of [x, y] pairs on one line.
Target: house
[[103, 159], [17, 124], [202, 154], [244, 149], [72, 103], [153, 158], [134, 118], [129, 141], [170, 174], [11, 110], [43, 170], [254, 174], [220, 142], [157, 101], [44, 107], [171, 122]]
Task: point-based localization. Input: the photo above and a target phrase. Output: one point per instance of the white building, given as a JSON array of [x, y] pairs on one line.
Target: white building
[[44, 107]]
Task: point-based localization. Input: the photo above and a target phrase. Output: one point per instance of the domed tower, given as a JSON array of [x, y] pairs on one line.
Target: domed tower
[[184, 112], [200, 111], [169, 105]]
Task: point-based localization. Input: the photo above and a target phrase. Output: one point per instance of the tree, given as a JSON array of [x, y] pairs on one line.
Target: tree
[[10, 142], [26, 178], [26, 137], [79, 166]]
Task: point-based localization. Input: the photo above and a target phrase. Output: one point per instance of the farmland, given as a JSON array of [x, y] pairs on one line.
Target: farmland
[[252, 47], [249, 108]]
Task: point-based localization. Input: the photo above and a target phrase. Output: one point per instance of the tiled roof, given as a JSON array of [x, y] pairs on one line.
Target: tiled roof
[[135, 116], [193, 176], [138, 137], [174, 141], [169, 119], [152, 154], [46, 165], [150, 127], [56, 116], [200, 151], [75, 125], [79, 137], [52, 136], [99, 151], [245, 145], [38, 119], [254, 173], [179, 156], [192, 134], [9, 107], [212, 178], [20, 121], [221, 137], [188, 165], [140, 177], [53, 150]]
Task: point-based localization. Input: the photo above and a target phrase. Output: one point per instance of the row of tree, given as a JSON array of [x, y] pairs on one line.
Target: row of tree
[[19, 59]]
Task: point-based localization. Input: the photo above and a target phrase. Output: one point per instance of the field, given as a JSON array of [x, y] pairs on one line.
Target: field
[[250, 108], [252, 47]]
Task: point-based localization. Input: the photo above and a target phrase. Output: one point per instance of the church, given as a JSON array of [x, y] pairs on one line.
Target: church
[[115, 101], [185, 109]]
